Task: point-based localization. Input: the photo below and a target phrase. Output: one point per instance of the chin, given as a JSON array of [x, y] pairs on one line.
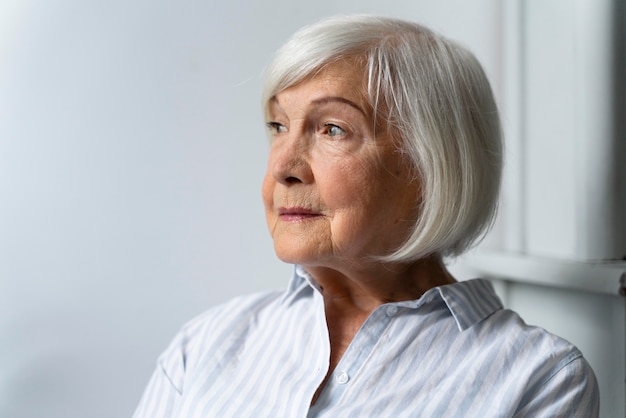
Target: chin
[[289, 258], [293, 255]]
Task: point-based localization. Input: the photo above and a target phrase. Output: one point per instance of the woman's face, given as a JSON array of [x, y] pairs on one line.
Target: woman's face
[[335, 192]]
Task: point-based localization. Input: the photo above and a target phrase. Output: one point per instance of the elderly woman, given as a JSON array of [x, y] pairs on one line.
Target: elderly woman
[[385, 158]]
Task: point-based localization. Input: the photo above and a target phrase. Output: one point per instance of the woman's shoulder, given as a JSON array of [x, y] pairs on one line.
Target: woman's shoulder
[[546, 365], [213, 329], [234, 309], [511, 326], [231, 314], [476, 307], [542, 354], [479, 311], [555, 372]]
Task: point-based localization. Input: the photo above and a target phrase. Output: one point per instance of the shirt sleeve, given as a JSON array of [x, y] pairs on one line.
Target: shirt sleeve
[[164, 390], [160, 397], [167, 389], [572, 391]]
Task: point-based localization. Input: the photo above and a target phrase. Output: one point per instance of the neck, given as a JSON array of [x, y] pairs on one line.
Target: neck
[[364, 288]]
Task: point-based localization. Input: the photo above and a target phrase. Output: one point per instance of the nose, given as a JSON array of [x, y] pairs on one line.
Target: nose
[[290, 160]]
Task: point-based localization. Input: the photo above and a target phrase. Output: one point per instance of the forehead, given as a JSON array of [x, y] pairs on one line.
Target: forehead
[[342, 79]]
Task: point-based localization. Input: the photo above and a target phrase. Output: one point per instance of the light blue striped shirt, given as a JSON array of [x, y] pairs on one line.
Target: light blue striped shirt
[[454, 352]]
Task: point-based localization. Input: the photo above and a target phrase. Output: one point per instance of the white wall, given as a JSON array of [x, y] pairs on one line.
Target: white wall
[[131, 154]]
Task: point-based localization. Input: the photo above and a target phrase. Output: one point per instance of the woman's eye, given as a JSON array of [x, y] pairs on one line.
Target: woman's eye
[[334, 130], [276, 127]]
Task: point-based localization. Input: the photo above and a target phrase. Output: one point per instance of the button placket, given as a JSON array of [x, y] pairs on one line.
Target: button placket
[[355, 356]]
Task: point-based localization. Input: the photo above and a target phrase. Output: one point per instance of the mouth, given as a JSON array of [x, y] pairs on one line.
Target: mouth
[[296, 214]]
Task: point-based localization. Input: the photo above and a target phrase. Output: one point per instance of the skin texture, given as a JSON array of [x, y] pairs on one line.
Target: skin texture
[[338, 191], [354, 183]]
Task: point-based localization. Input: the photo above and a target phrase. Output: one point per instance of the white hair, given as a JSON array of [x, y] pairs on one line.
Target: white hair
[[436, 96]]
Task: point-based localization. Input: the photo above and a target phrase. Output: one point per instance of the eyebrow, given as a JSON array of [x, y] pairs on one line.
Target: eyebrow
[[329, 99]]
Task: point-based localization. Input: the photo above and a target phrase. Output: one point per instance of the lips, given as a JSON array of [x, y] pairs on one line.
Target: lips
[[296, 214]]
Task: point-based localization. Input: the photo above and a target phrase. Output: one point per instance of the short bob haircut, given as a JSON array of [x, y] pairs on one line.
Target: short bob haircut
[[435, 95]]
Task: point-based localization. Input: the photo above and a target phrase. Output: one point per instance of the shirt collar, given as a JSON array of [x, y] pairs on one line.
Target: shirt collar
[[300, 285], [468, 301]]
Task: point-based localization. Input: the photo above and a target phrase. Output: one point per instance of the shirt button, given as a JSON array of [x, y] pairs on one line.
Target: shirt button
[[342, 378], [392, 310]]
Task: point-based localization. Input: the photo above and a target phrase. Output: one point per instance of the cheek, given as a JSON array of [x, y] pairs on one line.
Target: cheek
[[345, 182], [343, 196]]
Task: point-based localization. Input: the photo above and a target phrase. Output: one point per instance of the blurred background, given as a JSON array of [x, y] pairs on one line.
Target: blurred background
[[132, 149]]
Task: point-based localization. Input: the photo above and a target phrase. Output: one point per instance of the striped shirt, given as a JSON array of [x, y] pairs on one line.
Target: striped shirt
[[454, 352]]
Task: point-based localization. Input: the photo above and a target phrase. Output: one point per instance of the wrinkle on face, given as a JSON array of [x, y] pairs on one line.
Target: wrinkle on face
[[359, 182]]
